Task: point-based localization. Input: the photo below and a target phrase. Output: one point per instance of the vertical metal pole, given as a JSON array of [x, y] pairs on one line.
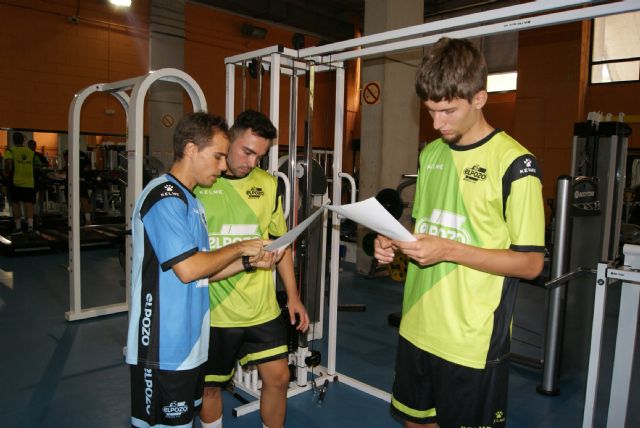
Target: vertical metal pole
[[244, 85], [259, 108], [274, 105], [561, 236], [593, 372], [334, 268], [293, 149], [305, 243], [623, 354], [231, 90]]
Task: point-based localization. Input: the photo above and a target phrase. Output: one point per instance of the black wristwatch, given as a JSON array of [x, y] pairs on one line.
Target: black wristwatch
[[248, 267]]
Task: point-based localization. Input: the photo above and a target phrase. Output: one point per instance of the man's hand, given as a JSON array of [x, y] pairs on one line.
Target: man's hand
[[252, 248], [426, 250], [295, 306], [384, 249], [266, 261]]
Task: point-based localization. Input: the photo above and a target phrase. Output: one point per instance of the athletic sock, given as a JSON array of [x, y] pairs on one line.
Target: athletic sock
[[214, 424], [87, 218], [18, 224], [30, 223]]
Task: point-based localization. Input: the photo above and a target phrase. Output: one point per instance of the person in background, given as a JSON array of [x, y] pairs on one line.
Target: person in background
[[479, 226], [168, 336], [20, 166], [246, 322], [39, 179], [43, 159]]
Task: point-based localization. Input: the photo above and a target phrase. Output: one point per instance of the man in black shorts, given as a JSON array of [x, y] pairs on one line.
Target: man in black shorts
[[479, 226], [20, 163], [246, 321]]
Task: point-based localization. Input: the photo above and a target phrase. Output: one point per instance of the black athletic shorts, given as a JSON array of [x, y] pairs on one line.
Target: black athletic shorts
[[24, 194], [428, 389], [253, 345], [165, 397]]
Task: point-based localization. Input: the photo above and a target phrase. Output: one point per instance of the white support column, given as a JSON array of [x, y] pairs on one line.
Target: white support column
[[623, 359], [274, 107], [334, 267], [596, 346], [390, 131], [229, 108]]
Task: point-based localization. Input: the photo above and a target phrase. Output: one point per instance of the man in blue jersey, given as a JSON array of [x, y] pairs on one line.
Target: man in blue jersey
[[479, 224], [168, 336]]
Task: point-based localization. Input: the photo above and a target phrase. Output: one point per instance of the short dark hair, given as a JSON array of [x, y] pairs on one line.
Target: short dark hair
[[197, 128], [32, 144], [453, 68], [18, 139], [258, 123]]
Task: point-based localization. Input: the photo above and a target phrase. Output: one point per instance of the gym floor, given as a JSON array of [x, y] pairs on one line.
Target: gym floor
[[56, 373]]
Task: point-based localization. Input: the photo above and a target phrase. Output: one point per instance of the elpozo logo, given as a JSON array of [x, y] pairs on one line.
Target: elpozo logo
[[255, 192], [475, 173], [175, 409], [230, 233], [444, 224]]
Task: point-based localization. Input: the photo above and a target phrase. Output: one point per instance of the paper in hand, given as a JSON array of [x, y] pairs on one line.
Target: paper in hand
[[291, 235], [372, 214]]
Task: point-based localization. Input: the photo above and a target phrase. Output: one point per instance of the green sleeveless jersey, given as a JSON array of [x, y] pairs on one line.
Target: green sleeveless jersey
[[487, 195], [237, 209], [24, 159]]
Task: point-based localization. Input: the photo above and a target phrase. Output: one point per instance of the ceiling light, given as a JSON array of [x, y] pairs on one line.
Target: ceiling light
[[125, 3]]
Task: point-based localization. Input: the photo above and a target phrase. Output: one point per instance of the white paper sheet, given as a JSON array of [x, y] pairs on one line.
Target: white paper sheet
[[372, 214], [291, 235]]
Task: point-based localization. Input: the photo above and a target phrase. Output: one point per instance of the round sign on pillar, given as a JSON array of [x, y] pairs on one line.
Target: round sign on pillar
[[371, 93], [167, 120]]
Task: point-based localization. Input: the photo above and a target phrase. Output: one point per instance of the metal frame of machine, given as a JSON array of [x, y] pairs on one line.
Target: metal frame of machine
[[133, 105], [280, 60]]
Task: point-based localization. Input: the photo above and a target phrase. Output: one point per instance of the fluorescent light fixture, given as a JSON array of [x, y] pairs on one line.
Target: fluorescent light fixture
[[125, 3], [502, 82]]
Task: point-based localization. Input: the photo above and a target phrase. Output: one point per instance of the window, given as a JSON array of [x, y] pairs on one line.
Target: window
[[502, 82], [615, 48]]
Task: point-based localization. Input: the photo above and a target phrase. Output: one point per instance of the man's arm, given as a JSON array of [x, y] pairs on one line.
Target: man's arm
[[294, 304], [428, 250], [8, 165], [205, 264], [265, 262], [37, 163]]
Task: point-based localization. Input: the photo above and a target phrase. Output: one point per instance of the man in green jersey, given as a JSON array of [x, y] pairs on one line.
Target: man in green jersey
[[246, 325], [479, 226], [19, 165]]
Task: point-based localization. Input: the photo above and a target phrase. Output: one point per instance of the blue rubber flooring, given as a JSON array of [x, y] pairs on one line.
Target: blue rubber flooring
[[55, 373]]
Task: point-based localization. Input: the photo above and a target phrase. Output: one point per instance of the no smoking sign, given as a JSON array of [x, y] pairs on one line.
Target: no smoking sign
[[371, 93], [167, 120]]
